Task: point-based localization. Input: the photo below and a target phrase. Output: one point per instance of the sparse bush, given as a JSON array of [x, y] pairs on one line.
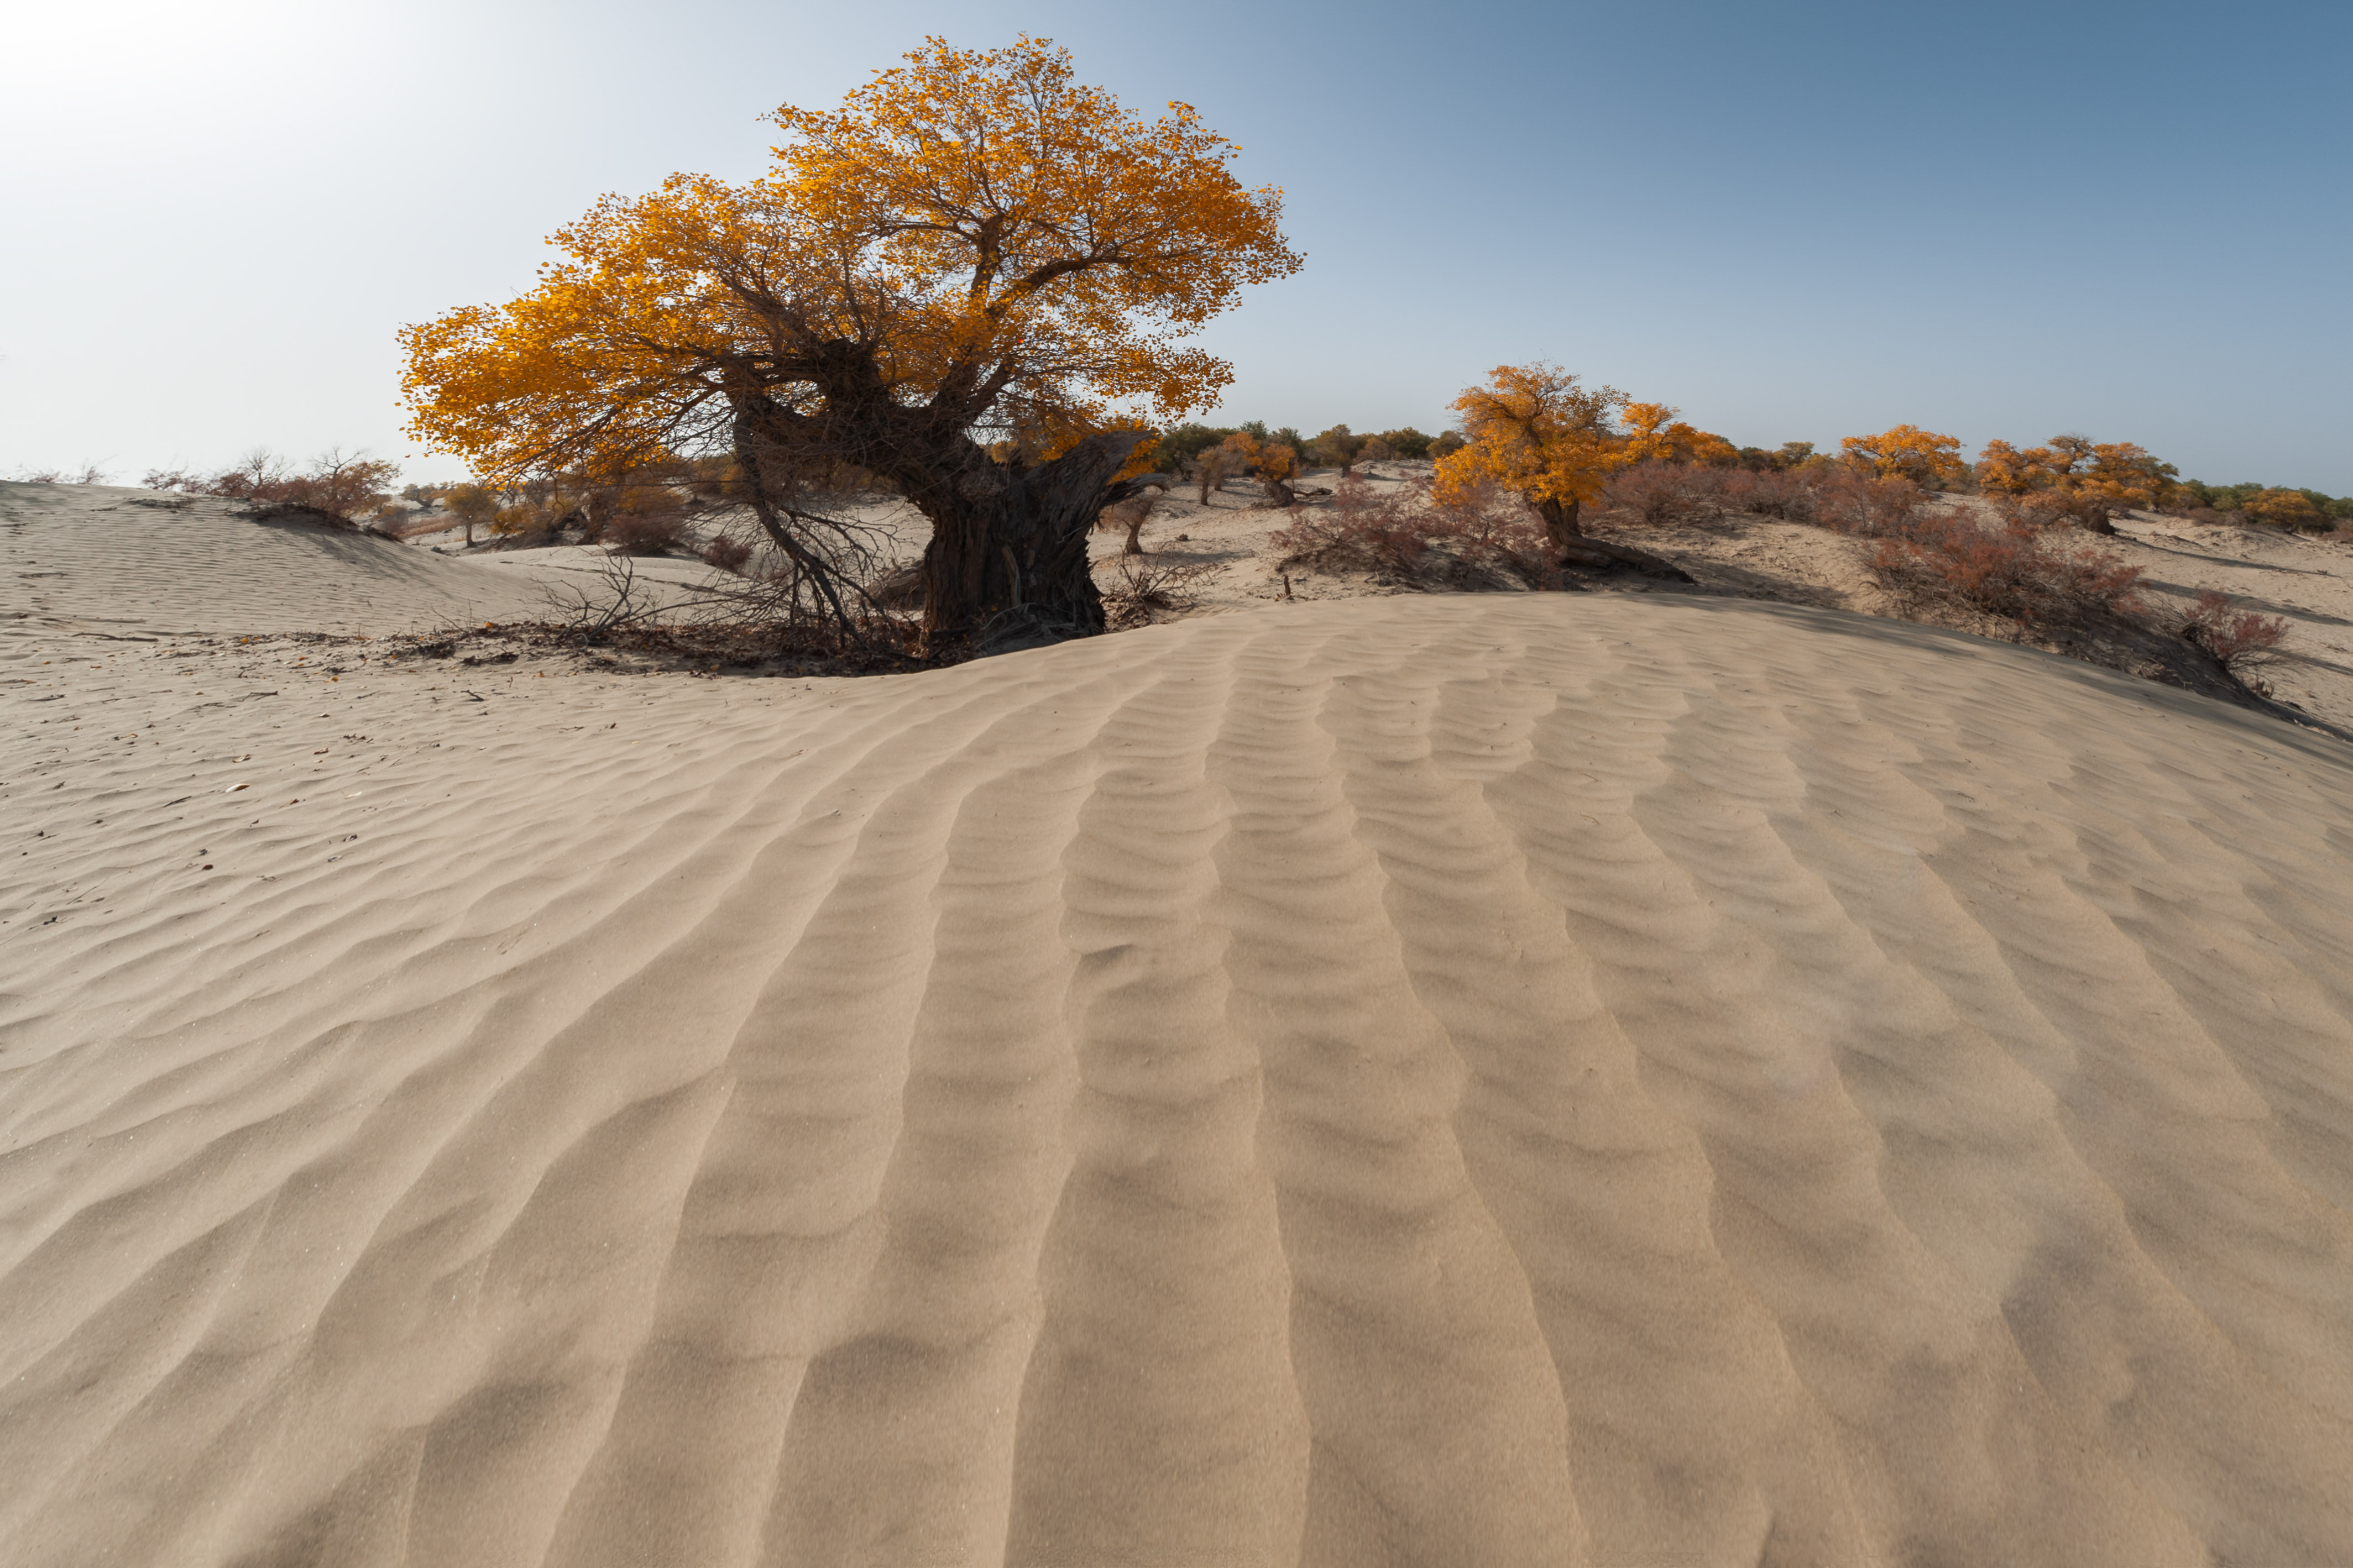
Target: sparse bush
[[1338, 449], [727, 554], [2239, 639], [335, 488], [1497, 531], [1848, 498], [645, 533], [1410, 533], [1769, 491], [1140, 586], [1363, 529], [2015, 573], [1662, 492], [88, 474], [1211, 467], [518, 521]]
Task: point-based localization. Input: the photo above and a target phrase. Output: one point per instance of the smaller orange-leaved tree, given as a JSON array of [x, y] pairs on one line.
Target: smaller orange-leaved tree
[[1275, 464], [2076, 478], [1537, 431], [1908, 452], [2285, 508]]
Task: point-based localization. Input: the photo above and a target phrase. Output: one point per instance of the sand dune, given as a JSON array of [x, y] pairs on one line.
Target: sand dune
[[1546, 1079], [96, 557]]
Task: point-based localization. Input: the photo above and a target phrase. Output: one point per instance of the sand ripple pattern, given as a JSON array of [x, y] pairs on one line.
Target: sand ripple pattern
[[1502, 1080]]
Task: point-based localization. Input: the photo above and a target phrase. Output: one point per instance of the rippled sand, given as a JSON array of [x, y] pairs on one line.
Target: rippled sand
[[1532, 1079]]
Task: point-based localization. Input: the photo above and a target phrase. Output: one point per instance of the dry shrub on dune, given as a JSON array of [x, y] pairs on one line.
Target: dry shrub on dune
[[1142, 587], [1847, 496], [335, 488], [1662, 492], [727, 554], [2007, 571], [646, 533], [1768, 493], [2238, 638], [1362, 530], [1421, 536], [1851, 499]]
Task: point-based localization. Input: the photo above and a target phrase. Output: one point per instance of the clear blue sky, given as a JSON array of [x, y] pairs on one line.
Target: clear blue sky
[[1795, 221]]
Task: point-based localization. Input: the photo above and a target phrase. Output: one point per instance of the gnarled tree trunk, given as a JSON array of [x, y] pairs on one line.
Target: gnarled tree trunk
[[1007, 566], [1007, 562], [1560, 520]]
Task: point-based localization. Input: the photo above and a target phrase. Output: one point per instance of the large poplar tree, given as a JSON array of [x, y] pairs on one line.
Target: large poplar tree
[[971, 280]]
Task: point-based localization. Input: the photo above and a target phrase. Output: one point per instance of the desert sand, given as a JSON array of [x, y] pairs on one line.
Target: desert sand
[[1655, 1080]]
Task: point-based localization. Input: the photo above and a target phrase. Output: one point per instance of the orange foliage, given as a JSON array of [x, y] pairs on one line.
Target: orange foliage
[[1533, 429], [2077, 476], [2285, 508], [1653, 433], [1908, 452], [973, 235], [1267, 460], [1274, 462]]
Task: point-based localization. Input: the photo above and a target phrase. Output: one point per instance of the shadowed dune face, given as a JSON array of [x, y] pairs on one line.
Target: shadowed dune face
[[1489, 1080]]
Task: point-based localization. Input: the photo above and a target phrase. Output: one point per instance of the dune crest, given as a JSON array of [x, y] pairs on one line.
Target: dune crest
[[1543, 1079]]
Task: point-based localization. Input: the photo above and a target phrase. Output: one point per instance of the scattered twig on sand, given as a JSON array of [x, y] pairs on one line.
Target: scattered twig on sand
[[1141, 585], [619, 600]]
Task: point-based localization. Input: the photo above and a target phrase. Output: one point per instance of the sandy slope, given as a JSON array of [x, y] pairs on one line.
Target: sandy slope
[[1423, 1080], [101, 557]]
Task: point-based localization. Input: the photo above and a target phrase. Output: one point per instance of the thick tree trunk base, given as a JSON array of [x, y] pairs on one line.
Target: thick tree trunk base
[[1601, 555], [1008, 565], [1592, 554]]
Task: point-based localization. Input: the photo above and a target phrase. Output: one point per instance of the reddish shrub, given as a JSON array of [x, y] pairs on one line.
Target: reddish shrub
[[335, 488], [1844, 496], [2010, 572], [1404, 530], [1362, 529], [727, 554], [1661, 492], [1497, 531], [645, 533], [1851, 499], [2237, 638], [1768, 493]]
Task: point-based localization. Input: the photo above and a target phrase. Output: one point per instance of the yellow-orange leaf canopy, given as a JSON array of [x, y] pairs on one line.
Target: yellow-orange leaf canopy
[[973, 247], [1537, 430]]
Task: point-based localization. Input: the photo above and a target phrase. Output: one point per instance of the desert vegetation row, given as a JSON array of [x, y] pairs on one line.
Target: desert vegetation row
[[2069, 476], [971, 285]]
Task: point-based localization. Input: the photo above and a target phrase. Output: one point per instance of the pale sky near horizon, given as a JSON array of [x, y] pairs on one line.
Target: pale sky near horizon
[[1797, 221]]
